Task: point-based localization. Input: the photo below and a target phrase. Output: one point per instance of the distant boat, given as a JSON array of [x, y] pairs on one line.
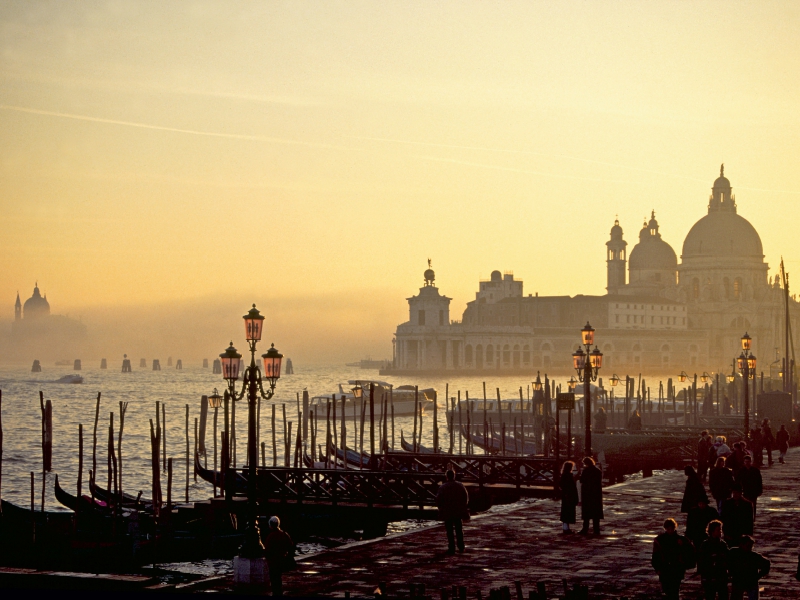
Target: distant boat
[[402, 398], [368, 363], [289, 367], [70, 379]]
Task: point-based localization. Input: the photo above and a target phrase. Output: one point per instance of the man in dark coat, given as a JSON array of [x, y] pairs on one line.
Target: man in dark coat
[[746, 568], [569, 496], [737, 516], [672, 555], [694, 491], [279, 549], [720, 480], [750, 479], [702, 455], [767, 439], [712, 563], [782, 442], [591, 496], [697, 521], [452, 500], [600, 420]]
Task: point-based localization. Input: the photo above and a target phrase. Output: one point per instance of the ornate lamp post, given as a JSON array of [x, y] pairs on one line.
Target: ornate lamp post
[[587, 364], [747, 367], [252, 388]]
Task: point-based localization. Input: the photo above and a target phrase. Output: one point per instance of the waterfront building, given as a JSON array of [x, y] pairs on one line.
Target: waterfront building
[[659, 316]]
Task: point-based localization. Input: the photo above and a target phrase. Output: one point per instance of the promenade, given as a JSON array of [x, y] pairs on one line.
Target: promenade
[[526, 545]]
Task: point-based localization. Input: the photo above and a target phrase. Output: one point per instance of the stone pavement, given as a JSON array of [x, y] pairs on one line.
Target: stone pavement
[[526, 545]]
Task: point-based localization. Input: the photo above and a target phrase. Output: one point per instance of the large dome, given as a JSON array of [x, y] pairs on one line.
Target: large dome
[[723, 235], [36, 306]]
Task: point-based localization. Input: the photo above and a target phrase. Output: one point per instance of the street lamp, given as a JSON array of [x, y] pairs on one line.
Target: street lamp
[[682, 377], [587, 364], [215, 401], [705, 377], [614, 380], [572, 384], [537, 385], [747, 367], [252, 388]]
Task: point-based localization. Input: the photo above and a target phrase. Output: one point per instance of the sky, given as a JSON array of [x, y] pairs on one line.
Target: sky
[[171, 162]]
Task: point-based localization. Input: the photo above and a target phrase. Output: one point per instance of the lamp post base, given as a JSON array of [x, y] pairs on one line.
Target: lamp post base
[[250, 571]]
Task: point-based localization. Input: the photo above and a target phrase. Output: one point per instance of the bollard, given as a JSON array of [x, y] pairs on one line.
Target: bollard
[[103, 363], [76, 366], [179, 365], [142, 363], [126, 364], [156, 364], [217, 367], [37, 367]]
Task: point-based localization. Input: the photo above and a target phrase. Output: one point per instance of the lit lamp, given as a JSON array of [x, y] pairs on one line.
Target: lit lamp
[[249, 565], [705, 377], [614, 380], [682, 377], [747, 367], [587, 371], [537, 385], [572, 383]]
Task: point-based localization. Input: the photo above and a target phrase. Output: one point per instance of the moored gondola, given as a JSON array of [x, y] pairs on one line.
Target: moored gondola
[[74, 503]]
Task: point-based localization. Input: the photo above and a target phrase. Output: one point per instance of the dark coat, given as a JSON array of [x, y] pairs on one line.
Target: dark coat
[[278, 547], [737, 518], [720, 482], [782, 440], [569, 498], [452, 500], [712, 560], [697, 521], [703, 447], [767, 437], [592, 493], [694, 492], [752, 485], [672, 555], [746, 568], [600, 421]]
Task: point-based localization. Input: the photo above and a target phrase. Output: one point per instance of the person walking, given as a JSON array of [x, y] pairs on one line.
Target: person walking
[[703, 446], [782, 442], [737, 516], [452, 500], [635, 422], [569, 497], [746, 568], [736, 459], [600, 420], [694, 491], [752, 484], [721, 446], [720, 481], [697, 521], [591, 496], [279, 550], [756, 446], [767, 439], [712, 563], [672, 555]]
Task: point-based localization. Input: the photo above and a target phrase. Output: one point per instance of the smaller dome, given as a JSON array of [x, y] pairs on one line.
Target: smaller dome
[[616, 230], [721, 183], [497, 276], [429, 275]]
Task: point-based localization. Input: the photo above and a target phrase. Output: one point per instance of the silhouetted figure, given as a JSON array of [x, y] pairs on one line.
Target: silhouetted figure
[[782, 442], [757, 447], [726, 405], [600, 420], [569, 496], [635, 422], [697, 521], [720, 482], [694, 491], [767, 439], [452, 501], [279, 550], [737, 516], [703, 446], [672, 555], [712, 563], [750, 479], [746, 568], [721, 447], [591, 496], [736, 459]]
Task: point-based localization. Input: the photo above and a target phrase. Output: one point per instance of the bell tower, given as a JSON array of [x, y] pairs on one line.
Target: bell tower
[[616, 260], [18, 309]]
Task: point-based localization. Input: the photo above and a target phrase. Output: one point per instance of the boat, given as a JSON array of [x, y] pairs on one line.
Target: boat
[[356, 395], [74, 503], [128, 500], [368, 363], [69, 379], [215, 477], [409, 447]]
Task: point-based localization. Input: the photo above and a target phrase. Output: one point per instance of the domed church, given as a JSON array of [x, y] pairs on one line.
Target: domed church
[[660, 316]]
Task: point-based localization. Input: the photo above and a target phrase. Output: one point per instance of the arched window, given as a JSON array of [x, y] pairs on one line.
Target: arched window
[[489, 354], [479, 356], [737, 288], [468, 355], [506, 355], [695, 288], [526, 354]]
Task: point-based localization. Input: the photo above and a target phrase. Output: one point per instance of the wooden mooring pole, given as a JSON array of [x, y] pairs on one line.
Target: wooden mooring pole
[[186, 429], [123, 407], [274, 440]]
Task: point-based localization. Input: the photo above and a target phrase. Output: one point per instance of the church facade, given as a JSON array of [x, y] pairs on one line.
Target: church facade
[[659, 316]]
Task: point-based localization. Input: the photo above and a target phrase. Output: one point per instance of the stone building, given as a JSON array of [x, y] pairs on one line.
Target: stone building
[[658, 317]]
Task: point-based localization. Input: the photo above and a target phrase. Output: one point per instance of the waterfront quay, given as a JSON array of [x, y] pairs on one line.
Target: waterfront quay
[[525, 545]]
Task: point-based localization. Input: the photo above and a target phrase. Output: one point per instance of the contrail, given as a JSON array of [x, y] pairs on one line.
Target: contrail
[[232, 136], [546, 155]]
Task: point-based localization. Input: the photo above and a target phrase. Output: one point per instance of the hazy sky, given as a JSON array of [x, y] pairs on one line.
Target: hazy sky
[[310, 156]]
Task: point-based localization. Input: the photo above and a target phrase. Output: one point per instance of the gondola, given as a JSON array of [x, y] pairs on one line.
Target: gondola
[[420, 448], [74, 503], [215, 477], [356, 459], [128, 500], [494, 444]]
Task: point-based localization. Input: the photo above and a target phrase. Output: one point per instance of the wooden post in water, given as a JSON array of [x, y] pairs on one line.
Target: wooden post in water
[[460, 424], [333, 426], [328, 435], [186, 429], [499, 407], [363, 417], [112, 481], [371, 425], [436, 422], [343, 436], [274, 440], [169, 485], [154, 464], [232, 438], [164, 433], [416, 410], [47, 432], [201, 444], [216, 409], [80, 457], [263, 454], [391, 405], [285, 437], [258, 430], [196, 446], [306, 416]]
